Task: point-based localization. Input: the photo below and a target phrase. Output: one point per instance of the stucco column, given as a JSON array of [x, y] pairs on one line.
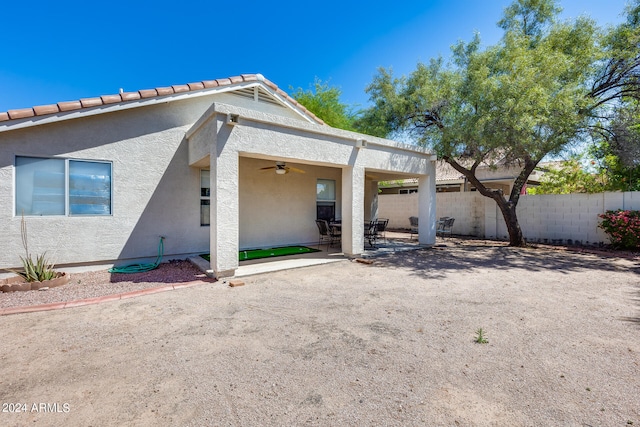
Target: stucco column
[[371, 200], [353, 210], [225, 212], [427, 208]]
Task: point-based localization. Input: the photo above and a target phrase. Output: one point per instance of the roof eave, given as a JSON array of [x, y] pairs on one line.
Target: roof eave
[[44, 114]]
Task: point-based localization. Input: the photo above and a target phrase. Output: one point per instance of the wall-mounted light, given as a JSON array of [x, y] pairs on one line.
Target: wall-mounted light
[[232, 119]]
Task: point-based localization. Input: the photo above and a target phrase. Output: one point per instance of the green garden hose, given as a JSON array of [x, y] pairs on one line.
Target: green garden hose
[[140, 268]]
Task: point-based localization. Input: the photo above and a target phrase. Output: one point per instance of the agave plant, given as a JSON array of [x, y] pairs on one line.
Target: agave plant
[[36, 270]]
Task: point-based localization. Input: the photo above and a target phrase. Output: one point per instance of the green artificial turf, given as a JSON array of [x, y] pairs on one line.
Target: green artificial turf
[[268, 253]]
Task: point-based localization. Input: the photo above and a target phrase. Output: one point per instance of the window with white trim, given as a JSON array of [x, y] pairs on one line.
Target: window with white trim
[[46, 186], [408, 191], [205, 197], [326, 199]]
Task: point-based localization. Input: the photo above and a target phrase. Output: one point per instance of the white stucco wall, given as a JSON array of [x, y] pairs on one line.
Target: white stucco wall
[[157, 152], [154, 190], [280, 210], [257, 135], [149, 178]]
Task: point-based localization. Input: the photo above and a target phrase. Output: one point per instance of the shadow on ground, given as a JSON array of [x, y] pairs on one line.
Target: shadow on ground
[[636, 300], [462, 256], [441, 259]]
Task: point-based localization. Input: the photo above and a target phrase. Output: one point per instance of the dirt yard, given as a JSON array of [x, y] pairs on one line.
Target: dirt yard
[[345, 344]]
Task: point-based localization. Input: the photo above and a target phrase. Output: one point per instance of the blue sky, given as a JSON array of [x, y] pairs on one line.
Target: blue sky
[[69, 49]]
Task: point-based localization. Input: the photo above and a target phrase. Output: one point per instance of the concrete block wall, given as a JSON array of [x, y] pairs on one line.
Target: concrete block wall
[[562, 219], [398, 208], [467, 208]]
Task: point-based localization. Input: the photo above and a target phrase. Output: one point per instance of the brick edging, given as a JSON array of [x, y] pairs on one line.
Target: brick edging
[[97, 300]]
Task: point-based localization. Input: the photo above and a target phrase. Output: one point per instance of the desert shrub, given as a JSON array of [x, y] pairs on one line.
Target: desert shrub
[[623, 228], [36, 269]]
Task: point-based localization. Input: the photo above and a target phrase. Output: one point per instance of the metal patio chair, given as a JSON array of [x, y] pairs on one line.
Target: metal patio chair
[[327, 234], [371, 232], [381, 228], [445, 226], [413, 220]]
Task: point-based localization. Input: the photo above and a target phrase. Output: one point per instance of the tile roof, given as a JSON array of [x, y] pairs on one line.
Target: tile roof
[[446, 172], [61, 107]]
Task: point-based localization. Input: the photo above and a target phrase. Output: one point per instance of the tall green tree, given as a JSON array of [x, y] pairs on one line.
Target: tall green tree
[[570, 177], [535, 93], [323, 100], [617, 149], [617, 134]]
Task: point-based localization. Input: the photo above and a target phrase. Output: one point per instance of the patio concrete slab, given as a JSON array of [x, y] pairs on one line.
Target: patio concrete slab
[[285, 264], [396, 241]]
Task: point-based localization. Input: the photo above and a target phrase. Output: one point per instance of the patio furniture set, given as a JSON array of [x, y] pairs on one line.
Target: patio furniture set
[[330, 232], [444, 226]]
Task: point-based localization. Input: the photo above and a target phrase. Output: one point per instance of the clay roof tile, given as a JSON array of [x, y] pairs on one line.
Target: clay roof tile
[[195, 86], [164, 91], [223, 82], [42, 110], [130, 96], [148, 93], [21, 113], [145, 94], [210, 83], [111, 99], [180, 88], [90, 102]]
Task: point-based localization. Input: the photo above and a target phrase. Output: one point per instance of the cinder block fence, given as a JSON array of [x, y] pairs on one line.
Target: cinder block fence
[[561, 219]]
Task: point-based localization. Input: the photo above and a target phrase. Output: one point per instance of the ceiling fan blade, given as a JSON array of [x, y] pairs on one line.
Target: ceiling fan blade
[[267, 168], [295, 169]]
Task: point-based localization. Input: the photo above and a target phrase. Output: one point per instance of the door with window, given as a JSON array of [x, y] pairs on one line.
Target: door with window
[[326, 199]]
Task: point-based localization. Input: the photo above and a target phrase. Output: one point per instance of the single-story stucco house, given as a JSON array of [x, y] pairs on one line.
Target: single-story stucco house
[[496, 177], [215, 166]]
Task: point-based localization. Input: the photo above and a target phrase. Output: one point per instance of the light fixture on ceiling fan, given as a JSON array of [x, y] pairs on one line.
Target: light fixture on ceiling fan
[[281, 168]]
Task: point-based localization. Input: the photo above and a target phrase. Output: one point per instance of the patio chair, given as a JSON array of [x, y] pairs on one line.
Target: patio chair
[[413, 220], [440, 224], [445, 226], [326, 233], [381, 228], [371, 232]]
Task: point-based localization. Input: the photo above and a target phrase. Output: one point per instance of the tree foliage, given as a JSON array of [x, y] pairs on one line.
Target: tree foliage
[[539, 90], [570, 177], [323, 100]]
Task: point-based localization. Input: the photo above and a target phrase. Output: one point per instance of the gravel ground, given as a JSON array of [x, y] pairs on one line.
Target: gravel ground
[[346, 344], [99, 283]]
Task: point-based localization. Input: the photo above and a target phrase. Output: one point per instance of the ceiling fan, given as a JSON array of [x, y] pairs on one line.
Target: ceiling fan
[[281, 168]]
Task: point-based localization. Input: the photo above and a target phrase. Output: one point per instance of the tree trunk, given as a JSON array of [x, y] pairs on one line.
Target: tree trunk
[[507, 207], [508, 210]]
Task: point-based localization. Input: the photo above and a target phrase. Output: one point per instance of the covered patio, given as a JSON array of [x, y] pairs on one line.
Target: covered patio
[[264, 172], [396, 241]]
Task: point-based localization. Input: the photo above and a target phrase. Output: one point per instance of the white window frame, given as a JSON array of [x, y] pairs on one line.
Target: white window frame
[[327, 202], [408, 191], [206, 197], [67, 210]]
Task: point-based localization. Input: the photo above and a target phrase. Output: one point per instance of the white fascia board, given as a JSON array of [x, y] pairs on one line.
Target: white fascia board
[[255, 116], [126, 105]]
